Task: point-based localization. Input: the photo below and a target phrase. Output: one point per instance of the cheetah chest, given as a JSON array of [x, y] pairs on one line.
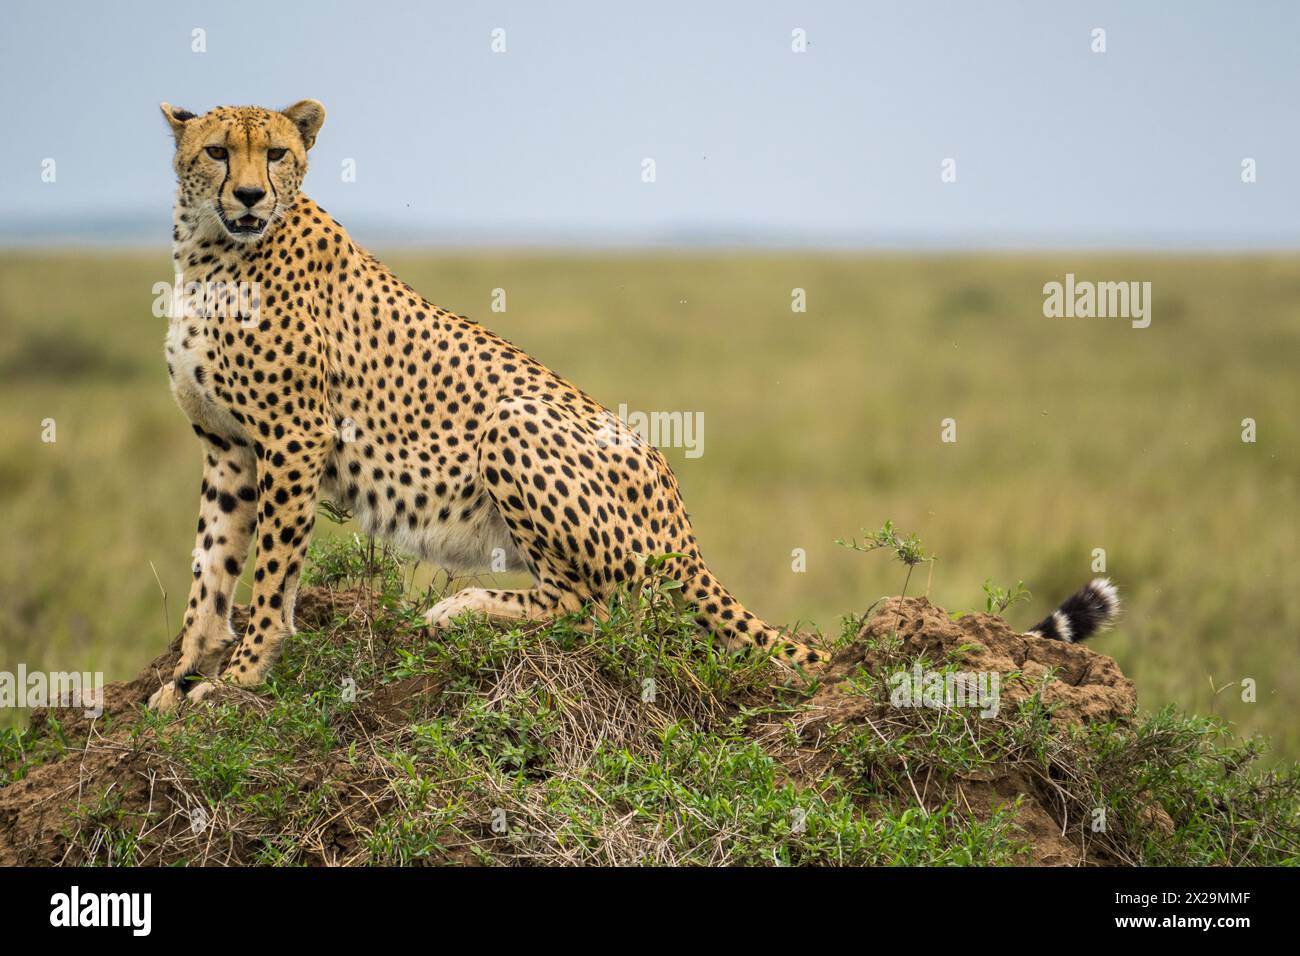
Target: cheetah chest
[[187, 349]]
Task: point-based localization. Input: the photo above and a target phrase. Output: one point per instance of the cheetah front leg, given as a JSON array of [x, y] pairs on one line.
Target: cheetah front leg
[[226, 521], [289, 474]]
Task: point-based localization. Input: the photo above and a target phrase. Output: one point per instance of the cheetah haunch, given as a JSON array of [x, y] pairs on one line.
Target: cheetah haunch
[[439, 435]]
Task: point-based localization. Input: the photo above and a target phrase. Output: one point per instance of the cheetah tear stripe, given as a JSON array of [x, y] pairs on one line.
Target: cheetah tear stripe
[[1092, 609]]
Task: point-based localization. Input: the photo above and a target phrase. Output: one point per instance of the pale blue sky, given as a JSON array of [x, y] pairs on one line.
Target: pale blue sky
[[841, 145]]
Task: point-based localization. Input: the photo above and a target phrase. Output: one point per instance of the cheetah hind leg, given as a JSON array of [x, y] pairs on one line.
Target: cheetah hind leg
[[536, 604]]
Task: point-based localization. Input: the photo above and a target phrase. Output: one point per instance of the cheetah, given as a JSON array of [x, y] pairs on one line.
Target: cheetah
[[437, 434], [333, 377]]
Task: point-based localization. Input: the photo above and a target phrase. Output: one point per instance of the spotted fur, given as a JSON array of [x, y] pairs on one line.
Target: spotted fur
[[438, 434]]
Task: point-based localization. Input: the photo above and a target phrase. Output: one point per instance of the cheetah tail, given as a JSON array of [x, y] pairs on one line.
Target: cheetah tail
[[1086, 612], [721, 614]]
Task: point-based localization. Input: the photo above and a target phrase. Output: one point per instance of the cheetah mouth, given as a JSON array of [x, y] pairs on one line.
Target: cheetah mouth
[[245, 227]]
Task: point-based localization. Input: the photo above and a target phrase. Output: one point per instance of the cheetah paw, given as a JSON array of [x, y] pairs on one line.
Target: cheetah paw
[[168, 698], [440, 616]]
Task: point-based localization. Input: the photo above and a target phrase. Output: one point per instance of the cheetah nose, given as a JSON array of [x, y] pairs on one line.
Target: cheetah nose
[[249, 195]]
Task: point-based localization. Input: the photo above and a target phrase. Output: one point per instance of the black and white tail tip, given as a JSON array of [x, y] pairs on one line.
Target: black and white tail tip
[[1082, 614]]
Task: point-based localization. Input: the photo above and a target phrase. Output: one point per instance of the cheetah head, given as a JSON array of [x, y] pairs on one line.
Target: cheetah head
[[239, 168]]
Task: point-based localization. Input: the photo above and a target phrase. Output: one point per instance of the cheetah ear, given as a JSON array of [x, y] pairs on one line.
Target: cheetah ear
[[176, 118], [308, 116]]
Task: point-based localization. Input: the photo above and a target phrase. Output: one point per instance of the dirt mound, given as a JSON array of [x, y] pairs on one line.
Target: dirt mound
[[46, 815], [1077, 683], [40, 811]]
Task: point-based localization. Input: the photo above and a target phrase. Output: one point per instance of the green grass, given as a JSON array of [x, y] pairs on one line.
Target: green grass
[[1072, 435]]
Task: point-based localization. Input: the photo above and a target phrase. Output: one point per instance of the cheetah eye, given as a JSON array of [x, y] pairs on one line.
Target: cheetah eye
[[217, 152], [274, 154]]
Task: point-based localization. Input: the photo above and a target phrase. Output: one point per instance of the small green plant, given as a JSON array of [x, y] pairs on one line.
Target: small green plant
[[660, 599], [508, 735], [412, 832], [350, 560], [104, 833], [997, 599], [335, 513], [22, 749], [907, 549]]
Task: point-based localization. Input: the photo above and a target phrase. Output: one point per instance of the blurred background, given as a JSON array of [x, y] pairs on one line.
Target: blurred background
[[650, 185]]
